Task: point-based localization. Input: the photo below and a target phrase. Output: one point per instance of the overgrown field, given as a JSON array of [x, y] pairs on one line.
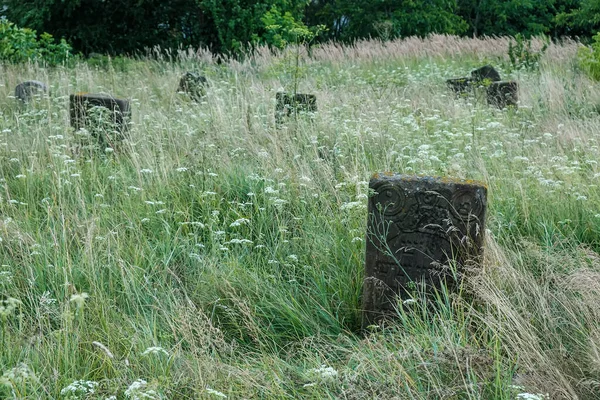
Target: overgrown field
[[216, 256]]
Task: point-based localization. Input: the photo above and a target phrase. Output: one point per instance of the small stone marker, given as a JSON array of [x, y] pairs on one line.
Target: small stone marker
[[28, 90], [81, 103], [459, 86], [288, 103], [486, 72], [417, 227], [503, 94], [194, 85]]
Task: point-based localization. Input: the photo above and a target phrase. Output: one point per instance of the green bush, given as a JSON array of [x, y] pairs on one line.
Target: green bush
[[19, 45], [522, 56], [588, 58]]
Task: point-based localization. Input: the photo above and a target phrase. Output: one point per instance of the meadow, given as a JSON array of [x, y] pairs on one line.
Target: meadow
[[215, 256]]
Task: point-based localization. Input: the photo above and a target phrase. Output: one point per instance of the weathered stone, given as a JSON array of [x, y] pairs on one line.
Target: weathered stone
[[28, 90], [194, 85], [460, 86], [487, 72], [288, 104], [503, 94], [418, 227], [82, 103]]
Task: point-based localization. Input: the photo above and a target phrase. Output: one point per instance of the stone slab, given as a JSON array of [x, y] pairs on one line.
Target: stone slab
[[418, 227], [503, 94], [289, 103], [26, 91], [81, 103], [194, 85], [487, 72]]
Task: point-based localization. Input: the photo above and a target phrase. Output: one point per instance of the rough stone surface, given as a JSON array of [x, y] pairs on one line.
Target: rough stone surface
[[80, 105], [417, 227], [27, 90], [485, 72], [288, 103], [194, 85], [460, 86], [503, 94]]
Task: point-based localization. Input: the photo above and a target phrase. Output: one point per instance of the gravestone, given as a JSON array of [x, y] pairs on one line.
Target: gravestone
[[82, 104], [28, 90], [289, 103], [503, 94], [487, 72], [194, 85], [459, 86], [417, 228]]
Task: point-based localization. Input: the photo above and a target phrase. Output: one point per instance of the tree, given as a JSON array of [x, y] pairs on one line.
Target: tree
[[510, 17], [111, 26], [351, 19], [583, 20]]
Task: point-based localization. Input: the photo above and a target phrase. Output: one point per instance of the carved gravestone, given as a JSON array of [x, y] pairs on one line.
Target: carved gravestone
[[460, 86], [487, 72], [82, 105], [503, 94], [194, 85], [288, 104], [417, 228], [28, 90]]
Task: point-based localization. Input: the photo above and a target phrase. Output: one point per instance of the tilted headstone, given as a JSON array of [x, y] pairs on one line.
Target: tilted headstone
[[28, 90], [288, 104], [460, 86], [194, 85], [487, 72], [81, 105], [503, 94], [417, 228]]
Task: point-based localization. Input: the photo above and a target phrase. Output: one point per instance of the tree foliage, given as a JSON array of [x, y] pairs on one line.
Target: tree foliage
[[352, 19], [18, 45], [122, 26]]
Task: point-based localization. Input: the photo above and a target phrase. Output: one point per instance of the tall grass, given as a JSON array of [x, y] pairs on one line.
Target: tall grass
[[221, 256]]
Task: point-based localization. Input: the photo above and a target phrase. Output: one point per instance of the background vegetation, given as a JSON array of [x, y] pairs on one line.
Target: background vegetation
[[229, 26]]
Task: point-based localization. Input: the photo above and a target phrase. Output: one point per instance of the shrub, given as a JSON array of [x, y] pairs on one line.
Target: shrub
[[522, 56], [588, 58], [19, 45]]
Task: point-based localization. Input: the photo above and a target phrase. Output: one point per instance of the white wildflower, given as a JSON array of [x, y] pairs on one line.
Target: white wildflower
[[240, 241], [531, 396], [79, 299], [79, 389], [17, 376], [216, 393], [322, 374], [8, 306], [238, 222], [353, 205], [137, 391]]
